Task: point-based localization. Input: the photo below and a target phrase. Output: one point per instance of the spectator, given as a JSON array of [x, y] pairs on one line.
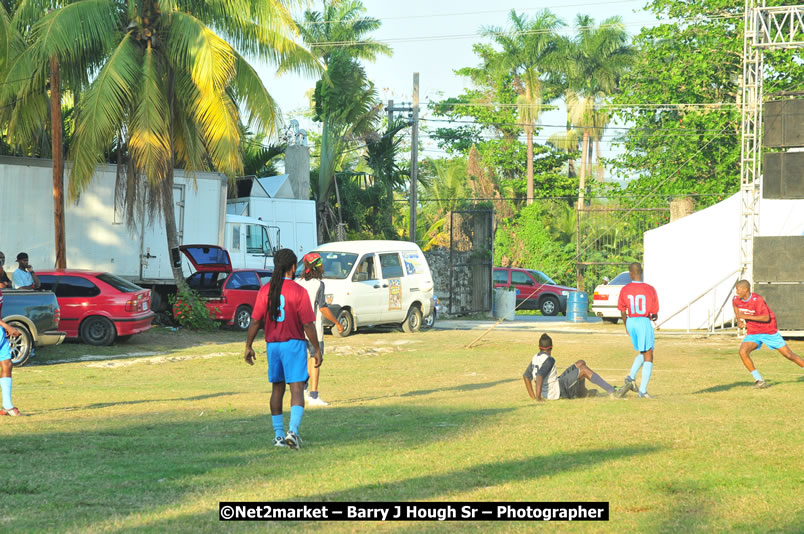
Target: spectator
[[5, 281], [25, 277]]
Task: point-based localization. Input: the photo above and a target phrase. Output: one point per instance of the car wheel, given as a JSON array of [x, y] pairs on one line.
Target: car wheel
[[22, 346], [242, 318], [413, 322], [97, 331], [612, 320], [347, 322], [428, 320], [549, 306]]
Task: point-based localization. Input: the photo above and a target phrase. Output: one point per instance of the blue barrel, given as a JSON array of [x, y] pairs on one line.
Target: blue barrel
[[577, 304]]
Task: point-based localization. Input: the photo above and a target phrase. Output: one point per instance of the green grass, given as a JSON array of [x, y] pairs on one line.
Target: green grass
[[153, 443]]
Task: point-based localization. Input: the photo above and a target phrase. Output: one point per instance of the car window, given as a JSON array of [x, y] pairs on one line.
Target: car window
[[47, 282], [621, 279], [120, 284], [500, 276], [391, 266], [205, 280], [243, 280], [521, 279], [365, 269], [338, 265], [76, 286], [265, 277], [542, 278]]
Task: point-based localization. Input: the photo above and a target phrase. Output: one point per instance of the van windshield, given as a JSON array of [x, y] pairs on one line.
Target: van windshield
[[338, 265]]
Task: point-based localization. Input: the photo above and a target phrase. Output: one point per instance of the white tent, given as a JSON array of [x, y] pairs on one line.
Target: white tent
[[693, 262]]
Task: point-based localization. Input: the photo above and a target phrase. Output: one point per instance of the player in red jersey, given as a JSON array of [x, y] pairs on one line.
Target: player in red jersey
[[284, 307], [753, 313], [638, 305]]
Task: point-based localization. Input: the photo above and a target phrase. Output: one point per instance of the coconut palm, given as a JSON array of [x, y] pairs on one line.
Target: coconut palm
[[167, 77], [529, 49]]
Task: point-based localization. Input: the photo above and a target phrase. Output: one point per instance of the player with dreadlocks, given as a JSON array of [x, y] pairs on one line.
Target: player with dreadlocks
[[284, 308]]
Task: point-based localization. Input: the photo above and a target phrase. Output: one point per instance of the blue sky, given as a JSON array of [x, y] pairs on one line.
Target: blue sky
[[435, 38]]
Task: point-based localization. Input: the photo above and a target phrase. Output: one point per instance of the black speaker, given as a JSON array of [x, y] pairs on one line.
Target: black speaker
[[783, 122], [785, 300], [783, 175], [779, 259]]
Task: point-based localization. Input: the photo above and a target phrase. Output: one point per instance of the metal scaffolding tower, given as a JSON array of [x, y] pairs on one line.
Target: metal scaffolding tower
[[766, 28]]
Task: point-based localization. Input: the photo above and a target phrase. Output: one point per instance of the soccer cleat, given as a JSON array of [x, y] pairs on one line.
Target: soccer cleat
[[279, 442], [645, 395], [318, 401], [760, 384], [293, 440], [630, 385], [12, 412]]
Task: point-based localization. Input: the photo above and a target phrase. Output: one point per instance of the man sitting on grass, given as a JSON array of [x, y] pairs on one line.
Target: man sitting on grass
[[570, 385]]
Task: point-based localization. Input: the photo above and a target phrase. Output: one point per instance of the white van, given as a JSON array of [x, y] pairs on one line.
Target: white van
[[377, 282]]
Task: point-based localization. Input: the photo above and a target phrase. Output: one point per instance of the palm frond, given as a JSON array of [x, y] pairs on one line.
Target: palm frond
[[194, 48], [249, 89]]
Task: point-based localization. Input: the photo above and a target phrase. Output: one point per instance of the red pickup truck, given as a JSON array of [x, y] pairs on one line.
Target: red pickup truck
[[534, 290]]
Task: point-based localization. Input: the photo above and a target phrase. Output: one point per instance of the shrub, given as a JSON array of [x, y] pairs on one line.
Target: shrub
[[190, 311]]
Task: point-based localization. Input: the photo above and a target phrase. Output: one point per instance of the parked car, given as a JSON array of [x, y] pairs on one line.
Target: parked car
[[376, 283], [534, 290], [99, 307], [229, 294], [36, 315], [605, 297]]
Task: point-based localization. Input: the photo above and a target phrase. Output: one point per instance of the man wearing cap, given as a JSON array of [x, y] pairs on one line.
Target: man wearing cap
[[24, 277], [311, 281], [5, 281]]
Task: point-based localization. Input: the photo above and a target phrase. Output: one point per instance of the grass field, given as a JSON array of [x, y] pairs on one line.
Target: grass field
[[152, 442]]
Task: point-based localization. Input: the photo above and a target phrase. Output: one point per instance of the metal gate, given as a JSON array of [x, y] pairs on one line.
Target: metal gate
[[471, 254]]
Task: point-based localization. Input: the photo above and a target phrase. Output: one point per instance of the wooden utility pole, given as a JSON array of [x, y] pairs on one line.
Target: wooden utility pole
[[414, 157], [58, 162]]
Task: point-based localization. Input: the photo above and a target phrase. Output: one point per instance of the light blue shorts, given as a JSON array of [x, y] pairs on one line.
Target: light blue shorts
[[5, 347], [287, 361], [774, 341], [641, 331]]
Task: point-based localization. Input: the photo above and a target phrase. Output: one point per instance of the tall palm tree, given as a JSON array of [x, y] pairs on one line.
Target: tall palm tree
[[529, 49], [166, 77], [595, 60]]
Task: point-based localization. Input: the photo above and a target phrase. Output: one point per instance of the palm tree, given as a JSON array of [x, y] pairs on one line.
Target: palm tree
[[381, 155], [167, 79], [529, 48]]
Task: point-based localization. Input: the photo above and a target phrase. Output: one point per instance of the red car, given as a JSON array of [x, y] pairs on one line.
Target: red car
[[534, 290], [229, 294], [98, 307]]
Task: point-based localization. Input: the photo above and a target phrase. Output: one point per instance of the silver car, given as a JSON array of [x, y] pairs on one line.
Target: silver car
[[605, 297]]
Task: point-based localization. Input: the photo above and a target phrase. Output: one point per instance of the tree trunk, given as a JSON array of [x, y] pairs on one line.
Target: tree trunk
[[168, 206], [389, 216], [597, 160], [58, 163], [530, 165], [582, 180]]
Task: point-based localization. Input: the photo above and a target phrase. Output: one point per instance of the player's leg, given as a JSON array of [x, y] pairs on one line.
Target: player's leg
[[5, 384], [647, 371], [585, 373], [314, 372], [746, 348], [294, 360], [276, 375], [569, 383], [788, 353]]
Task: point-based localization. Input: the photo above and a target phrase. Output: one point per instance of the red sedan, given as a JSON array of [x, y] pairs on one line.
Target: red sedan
[[98, 307], [228, 294]]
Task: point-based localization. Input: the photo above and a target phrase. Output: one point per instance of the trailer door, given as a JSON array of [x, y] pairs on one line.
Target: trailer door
[[153, 252]]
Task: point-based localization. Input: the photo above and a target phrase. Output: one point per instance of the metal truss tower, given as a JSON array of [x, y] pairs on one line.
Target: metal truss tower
[[766, 28]]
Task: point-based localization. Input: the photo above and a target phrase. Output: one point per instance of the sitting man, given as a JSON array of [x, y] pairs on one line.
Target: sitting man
[[24, 277], [5, 281], [570, 385]]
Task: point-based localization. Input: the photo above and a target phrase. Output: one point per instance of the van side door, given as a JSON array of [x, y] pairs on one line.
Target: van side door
[[368, 291], [396, 299]]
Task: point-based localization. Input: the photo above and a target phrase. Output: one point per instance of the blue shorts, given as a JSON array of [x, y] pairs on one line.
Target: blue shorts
[[5, 347], [641, 331], [774, 341], [287, 361]]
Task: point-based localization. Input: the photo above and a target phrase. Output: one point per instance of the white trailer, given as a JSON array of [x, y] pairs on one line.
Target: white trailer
[[97, 236]]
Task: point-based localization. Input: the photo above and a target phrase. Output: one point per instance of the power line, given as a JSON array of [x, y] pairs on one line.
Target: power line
[[563, 126]]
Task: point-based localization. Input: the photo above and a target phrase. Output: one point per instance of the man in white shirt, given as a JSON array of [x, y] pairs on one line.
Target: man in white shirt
[[550, 386], [24, 277]]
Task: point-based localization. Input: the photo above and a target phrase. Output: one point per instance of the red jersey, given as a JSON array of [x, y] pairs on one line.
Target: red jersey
[[756, 305], [295, 311], [638, 299]]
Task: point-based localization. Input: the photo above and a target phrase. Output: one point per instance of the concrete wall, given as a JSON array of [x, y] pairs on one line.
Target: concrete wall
[[297, 166]]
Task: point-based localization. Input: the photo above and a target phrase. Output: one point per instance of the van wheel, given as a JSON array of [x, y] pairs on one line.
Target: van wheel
[[22, 347], [98, 331], [549, 306], [347, 322], [242, 318], [414, 320]]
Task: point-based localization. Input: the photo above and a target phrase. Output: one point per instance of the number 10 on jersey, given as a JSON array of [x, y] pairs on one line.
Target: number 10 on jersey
[[638, 304]]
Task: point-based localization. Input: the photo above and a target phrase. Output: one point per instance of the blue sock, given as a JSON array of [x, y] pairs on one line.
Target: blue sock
[[647, 369], [296, 413], [754, 373], [5, 385], [279, 425], [638, 361]]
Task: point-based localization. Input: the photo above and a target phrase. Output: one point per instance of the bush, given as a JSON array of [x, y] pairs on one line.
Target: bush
[[190, 311]]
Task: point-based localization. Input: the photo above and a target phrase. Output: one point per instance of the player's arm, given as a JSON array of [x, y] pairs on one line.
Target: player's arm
[[654, 305], [253, 328], [529, 387], [331, 317], [527, 376], [13, 332], [738, 316], [622, 306], [309, 331], [539, 383]]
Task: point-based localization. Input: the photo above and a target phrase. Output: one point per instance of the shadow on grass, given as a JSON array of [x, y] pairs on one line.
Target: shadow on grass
[[462, 387], [724, 387], [99, 405]]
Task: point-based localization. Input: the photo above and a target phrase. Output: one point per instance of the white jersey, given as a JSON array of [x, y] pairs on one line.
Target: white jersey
[[543, 364], [315, 290]]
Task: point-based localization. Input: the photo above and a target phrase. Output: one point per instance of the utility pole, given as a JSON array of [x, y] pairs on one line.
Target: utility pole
[[57, 148], [414, 157], [390, 110]]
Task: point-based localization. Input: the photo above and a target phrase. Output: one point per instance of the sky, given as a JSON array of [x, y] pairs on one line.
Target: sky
[[436, 38]]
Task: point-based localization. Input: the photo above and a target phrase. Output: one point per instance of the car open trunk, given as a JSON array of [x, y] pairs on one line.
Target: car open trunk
[[212, 265]]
